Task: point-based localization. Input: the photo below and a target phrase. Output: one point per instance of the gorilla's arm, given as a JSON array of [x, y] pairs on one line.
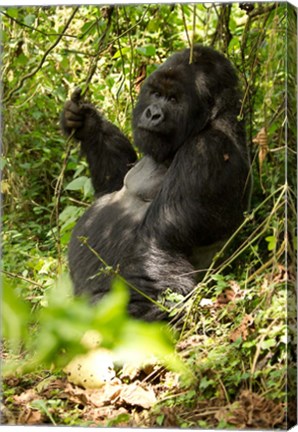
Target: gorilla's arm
[[109, 153], [203, 195]]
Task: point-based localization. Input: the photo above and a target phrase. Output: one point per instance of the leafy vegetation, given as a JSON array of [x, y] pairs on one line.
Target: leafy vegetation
[[237, 329]]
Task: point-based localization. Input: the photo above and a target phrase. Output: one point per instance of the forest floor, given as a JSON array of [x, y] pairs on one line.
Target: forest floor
[[143, 402], [145, 397]]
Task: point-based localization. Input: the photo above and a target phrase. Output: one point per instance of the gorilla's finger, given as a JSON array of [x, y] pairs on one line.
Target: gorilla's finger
[[72, 107], [72, 116], [74, 124], [76, 95]]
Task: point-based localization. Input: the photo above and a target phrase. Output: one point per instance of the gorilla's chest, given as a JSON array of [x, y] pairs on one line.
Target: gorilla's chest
[[144, 180]]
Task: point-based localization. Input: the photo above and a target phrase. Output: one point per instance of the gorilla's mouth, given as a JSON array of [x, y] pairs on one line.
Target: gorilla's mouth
[[153, 130]]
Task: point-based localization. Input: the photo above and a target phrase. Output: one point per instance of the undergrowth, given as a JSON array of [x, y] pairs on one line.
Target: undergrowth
[[234, 336]]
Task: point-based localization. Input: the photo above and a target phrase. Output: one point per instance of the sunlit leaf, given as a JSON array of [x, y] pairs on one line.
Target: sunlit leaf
[[77, 184]]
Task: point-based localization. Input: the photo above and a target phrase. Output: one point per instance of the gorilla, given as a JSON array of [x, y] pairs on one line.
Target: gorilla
[[159, 221]]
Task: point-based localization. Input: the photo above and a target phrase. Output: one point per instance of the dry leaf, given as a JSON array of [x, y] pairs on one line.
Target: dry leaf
[[262, 141], [252, 411], [30, 417], [242, 330], [112, 392], [225, 297], [135, 395], [140, 78], [26, 397]]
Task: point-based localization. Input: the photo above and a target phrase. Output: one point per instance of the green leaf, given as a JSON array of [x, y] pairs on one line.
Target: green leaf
[[121, 52], [3, 162], [272, 241], [29, 19], [88, 188], [77, 184], [88, 28], [160, 419], [268, 343], [148, 51], [15, 316], [22, 59], [12, 12], [205, 383]]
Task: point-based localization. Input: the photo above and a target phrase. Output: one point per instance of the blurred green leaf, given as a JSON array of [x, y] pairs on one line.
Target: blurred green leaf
[[29, 19], [148, 51], [121, 52], [15, 316], [13, 12]]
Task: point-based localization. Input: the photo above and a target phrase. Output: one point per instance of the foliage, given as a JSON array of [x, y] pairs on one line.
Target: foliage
[[238, 327], [64, 321]]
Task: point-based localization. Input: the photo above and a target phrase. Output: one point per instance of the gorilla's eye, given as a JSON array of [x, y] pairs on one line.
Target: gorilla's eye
[[173, 100], [156, 94]]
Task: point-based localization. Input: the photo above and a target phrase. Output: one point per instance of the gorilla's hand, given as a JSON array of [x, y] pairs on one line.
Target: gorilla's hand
[[79, 116]]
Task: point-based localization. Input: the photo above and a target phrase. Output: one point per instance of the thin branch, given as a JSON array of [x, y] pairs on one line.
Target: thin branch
[[34, 28], [81, 203], [261, 10], [88, 54], [122, 59], [73, 51], [101, 42], [193, 34], [59, 184], [16, 276], [130, 63], [258, 350], [116, 273], [57, 197], [185, 25], [32, 73]]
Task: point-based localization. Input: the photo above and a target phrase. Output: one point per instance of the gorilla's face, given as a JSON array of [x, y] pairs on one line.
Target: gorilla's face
[[179, 99], [167, 113]]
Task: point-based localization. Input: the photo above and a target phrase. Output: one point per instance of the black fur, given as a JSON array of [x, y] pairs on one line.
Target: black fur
[[165, 217]]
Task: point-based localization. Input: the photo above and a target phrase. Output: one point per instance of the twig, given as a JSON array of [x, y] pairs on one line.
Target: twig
[[258, 350], [193, 34], [16, 276], [57, 196], [34, 28], [81, 203], [101, 42], [222, 30], [262, 10], [122, 59], [131, 45], [114, 272], [185, 25], [276, 256], [32, 73]]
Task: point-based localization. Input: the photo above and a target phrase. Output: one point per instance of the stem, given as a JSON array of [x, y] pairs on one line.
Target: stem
[[14, 275], [193, 34], [119, 276], [185, 25]]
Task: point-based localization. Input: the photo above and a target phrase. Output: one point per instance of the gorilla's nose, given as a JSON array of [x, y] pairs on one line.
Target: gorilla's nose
[[152, 116]]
